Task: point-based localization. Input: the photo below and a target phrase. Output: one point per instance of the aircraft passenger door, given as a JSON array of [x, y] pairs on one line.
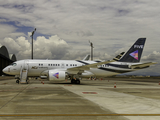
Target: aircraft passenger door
[[62, 65], [25, 66]]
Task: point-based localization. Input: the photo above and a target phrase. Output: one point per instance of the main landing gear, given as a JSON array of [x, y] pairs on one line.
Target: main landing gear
[[77, 81], [27, 81]]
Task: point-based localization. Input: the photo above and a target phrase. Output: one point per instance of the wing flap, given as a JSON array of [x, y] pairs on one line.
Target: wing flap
[[143, 65]]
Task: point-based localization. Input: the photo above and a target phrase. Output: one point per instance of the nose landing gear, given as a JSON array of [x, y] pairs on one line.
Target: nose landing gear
[[17, 81]]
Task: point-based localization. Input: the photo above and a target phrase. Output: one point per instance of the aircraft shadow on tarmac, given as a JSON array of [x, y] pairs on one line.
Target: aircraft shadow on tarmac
[[87, 84], [67, 84]]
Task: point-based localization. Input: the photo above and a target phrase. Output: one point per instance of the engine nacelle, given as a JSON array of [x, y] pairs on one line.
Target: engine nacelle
[[57, 75]]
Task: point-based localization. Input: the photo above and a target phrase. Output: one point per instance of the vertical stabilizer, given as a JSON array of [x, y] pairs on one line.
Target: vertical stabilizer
[[135, 52], [87, 57]]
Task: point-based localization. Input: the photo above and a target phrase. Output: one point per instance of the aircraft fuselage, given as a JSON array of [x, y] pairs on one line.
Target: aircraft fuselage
[[38, 67]]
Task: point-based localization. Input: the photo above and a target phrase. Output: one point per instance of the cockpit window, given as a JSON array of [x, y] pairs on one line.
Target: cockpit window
[[13, 64]]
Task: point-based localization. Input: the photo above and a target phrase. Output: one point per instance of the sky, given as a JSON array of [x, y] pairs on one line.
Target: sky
[[65, 27]]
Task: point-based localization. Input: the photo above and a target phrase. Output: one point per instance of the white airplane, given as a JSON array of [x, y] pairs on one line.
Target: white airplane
[[75, 70]]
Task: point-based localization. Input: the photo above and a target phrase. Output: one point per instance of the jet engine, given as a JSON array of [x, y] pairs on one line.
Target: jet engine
[[57, 75]]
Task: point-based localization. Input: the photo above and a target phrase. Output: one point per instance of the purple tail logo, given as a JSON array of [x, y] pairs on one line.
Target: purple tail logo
[[134, 54]]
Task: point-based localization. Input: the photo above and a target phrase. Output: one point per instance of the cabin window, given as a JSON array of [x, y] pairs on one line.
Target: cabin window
[[48, 64], [66, 64]]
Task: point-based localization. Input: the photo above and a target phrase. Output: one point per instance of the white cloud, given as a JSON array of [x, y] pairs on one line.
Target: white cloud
[[9, 31], [155, 56], [52, 48]]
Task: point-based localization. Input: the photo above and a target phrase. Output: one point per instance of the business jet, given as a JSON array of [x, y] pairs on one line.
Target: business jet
[[75, 70]]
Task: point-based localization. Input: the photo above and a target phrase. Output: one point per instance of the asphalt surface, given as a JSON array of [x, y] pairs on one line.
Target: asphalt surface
[[133, 98]]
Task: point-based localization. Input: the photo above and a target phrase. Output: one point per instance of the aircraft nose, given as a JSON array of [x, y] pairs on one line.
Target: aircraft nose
[[5, 70]]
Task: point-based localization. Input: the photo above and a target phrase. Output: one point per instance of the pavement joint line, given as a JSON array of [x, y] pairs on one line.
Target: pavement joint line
[[32, 115], [15, 90], [13, 97], [89, 92]]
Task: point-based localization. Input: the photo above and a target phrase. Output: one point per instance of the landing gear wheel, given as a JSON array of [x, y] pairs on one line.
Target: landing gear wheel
[[17, 81], [27, 81], [77, 81], [72, 81]]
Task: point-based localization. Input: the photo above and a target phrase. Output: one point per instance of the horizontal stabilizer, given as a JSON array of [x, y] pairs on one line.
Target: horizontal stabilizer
[[117, 58]]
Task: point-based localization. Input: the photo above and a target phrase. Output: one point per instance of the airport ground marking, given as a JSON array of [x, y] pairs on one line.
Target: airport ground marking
[[44, 115], [14, 96]]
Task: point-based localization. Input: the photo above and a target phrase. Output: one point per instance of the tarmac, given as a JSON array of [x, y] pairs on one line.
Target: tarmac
[[109, 99]]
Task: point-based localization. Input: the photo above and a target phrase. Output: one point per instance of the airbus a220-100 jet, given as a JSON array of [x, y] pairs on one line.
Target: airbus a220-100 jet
[[75, 70]]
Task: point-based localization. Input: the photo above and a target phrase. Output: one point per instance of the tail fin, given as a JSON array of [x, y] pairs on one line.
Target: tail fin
[[135, 52], [86, 57]]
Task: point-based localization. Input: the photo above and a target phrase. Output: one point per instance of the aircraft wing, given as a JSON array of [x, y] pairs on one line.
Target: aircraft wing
[[87, 67], [143, 65]]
